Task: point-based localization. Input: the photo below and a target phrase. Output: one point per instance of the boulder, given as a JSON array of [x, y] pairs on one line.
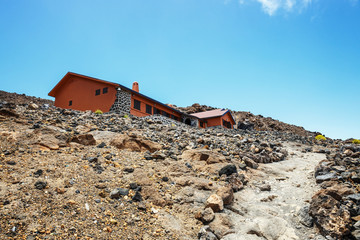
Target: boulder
[[227, 194], [135, 144], [215, 202], [245, 125], [330, 217], [236, 181], [250, 163], [304, 216], [221, 225], [150, 193], [208, 156], [33, 106], [84, 139], [325, 177], [205, 233], [228, 170], [118, 192], [206, 215]]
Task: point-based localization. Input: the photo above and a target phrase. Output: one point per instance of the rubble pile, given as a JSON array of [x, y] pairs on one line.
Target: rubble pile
[[335, 208]]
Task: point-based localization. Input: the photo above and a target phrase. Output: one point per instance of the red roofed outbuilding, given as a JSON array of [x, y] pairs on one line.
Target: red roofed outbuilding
[[217, 117]]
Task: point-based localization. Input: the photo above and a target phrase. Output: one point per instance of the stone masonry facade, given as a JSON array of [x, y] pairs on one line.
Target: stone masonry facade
[[122, 102]]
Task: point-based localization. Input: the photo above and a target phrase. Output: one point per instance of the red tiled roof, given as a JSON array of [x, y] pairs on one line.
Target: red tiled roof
[[211, 113]]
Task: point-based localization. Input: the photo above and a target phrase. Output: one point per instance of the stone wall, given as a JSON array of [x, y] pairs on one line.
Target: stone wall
[[193, 121], [122, 102], [166, 120]]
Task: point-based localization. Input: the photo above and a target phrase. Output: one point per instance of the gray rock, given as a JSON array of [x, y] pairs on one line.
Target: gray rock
[[357, 225], [137, 197], [354, 197], [228, 170], [356, 234], [265, 187], [325, 177], [304, 217], [250, 163], [207, 215], [116, 193], [205, 233], [40, 185], [245, 126]]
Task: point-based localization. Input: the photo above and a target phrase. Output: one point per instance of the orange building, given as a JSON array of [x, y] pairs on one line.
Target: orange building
[[79, 92], [217, 117]]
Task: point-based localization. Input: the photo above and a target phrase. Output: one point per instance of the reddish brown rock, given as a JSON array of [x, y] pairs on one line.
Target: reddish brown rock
[[135, 144], [210, 157], [215, 202], [227, 194], [84, 139], [331, 218], [206, 215], [221, 225]]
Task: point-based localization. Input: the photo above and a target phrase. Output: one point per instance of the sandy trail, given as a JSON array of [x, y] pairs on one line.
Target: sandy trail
[[273, 215]]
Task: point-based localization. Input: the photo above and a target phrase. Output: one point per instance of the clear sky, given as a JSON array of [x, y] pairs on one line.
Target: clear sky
[[297, 61]]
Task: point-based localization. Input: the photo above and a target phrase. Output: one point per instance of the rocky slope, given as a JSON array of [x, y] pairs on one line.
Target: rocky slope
[[78, 175], [19, 99]]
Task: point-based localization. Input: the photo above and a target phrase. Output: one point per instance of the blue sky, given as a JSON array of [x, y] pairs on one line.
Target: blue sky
[[297, 61]]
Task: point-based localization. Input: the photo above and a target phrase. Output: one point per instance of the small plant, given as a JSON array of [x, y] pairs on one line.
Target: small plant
[[98, 111], [320, 138], [356, 141], [126, 116]]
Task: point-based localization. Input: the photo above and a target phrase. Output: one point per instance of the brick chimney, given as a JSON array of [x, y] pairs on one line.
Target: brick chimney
[[135, 87]]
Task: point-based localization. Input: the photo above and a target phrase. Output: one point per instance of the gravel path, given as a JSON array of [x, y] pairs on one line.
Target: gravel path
[[273, 215]]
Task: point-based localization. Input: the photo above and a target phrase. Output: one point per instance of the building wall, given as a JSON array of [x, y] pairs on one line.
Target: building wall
[[143, 102], [82, 94], [216, 121], [122, 102], [227, 117]]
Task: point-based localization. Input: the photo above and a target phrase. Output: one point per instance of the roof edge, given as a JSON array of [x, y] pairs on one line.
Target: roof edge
[[53, 92]]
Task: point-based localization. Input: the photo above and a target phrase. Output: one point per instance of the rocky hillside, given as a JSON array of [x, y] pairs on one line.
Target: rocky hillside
[[19, 99], [78, 175], [249, 121]]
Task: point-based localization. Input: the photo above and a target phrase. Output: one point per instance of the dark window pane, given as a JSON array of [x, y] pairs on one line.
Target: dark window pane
[[148, 109], [136, 104], [201, 124], [165, 114], [105, 90], [97, 92], [157, 111], [70, 102]]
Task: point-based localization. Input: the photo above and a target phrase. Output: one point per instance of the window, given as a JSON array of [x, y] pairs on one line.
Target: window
[[70, 103], [97, 92], [105, 90], [165, 114], [201, 124], [137, 104], [148, 109], [157, 111], [226, 124]]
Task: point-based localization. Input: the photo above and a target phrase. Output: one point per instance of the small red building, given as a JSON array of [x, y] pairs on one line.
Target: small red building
[[79, 92], [217, 117]]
